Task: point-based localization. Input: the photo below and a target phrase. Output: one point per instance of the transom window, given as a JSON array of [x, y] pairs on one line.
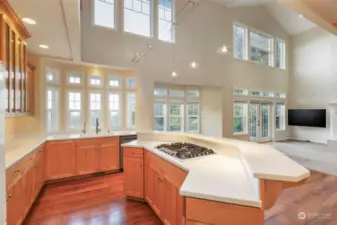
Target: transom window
[[95, 81], [114, 82], [137, 17], [165, 20], [104, 13], [74, 79]]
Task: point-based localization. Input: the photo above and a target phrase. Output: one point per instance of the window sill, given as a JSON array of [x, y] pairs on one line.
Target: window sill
[[240, 134], [256, 63]]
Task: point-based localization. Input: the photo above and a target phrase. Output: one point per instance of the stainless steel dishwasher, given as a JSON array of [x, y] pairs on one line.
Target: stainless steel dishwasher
[[124, 139]]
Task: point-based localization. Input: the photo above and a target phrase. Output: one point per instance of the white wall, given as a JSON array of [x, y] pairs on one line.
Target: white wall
[[2, 150], [211, 111], [214, 28], [313, 81]]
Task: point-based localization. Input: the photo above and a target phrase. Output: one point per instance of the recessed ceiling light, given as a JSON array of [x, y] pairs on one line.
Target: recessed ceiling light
[[174, 74], [193, 64], [44, 46], [301, 16], [29, 21]]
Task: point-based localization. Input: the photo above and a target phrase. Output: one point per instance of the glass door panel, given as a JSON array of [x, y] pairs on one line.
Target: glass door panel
[[254, 118], [265, 120]]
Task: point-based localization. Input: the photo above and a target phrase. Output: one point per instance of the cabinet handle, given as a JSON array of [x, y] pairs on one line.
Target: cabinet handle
[[8, 197], [17, 171]]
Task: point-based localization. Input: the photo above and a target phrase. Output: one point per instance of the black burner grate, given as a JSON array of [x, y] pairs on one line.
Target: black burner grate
[[184, 150]]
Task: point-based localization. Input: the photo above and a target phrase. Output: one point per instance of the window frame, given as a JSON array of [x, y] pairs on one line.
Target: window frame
[[151, 16], [165, 125], [93, 6], [119, 111], [173, 36], [246, 41], [94, 76], [68, 111], [112, 77], [282, 117], [272, 46], [89, 110], [127, 125], [246, 123], [185, 100], [75, 73], [284, 56], [55, 126]]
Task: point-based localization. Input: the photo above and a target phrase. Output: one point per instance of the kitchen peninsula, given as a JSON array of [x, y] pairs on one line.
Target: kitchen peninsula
[[233, 186]]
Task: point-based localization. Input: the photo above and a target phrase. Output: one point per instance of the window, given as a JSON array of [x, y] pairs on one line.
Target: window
[[104, 13], [240, 43], [114, 111], [193, 117], [240, 117], [160, 117], [52, 76], [172, 106], [52, 115], [176, 117], [114, 82], [130, 110], [74, 79], [95, 81], [137, 17], [280, 54], [74, 110], [131, 83], [95, 109], [280, 116], [165, 20], [261, 48], [240, 92], [280, 95]]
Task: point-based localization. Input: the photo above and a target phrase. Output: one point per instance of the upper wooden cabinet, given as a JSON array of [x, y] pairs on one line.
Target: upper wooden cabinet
[[13, 54]]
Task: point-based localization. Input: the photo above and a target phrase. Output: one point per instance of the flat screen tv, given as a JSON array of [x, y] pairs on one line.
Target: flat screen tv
[[307, 117]]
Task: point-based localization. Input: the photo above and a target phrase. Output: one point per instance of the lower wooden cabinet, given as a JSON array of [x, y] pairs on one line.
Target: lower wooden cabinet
[[158, 182], [108, 157], [134, 174], [22, 192], [86, 160], [60, 159]]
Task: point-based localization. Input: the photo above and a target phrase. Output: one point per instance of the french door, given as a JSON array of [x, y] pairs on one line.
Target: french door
[[260, 122]]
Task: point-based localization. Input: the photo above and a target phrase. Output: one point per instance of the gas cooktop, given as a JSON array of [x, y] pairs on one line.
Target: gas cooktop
[[184, 150]]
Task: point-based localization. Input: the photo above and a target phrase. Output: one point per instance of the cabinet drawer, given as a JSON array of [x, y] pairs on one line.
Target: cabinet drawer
[[53, 143], [133, 152]]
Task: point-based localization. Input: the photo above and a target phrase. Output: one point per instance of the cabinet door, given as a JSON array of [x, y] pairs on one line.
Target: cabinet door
[[150, 177], [108, 157], [16, 203], [60, 159], [86, 160], [134, 177]]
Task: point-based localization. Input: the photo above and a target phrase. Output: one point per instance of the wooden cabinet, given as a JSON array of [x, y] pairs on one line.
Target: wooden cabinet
[[60, 159], [162, 183], [97, 155], [86, 159], [134, 174], [108, 155], [24, 188], [14, 56]]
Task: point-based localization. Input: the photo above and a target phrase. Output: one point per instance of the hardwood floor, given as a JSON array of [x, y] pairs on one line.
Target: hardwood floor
[[94, 201], [100, 201], [317, 195]]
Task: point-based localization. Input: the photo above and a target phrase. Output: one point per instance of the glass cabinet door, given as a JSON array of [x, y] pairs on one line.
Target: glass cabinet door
[[12, 73], [18, 74], [7, 66]]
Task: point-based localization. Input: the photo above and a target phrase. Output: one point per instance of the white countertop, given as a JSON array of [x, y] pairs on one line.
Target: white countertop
[[18, 148], [217, 177], [233, 172]]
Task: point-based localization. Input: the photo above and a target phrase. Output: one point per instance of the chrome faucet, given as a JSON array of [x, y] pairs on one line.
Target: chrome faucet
[[84, 130], [97, 126]]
